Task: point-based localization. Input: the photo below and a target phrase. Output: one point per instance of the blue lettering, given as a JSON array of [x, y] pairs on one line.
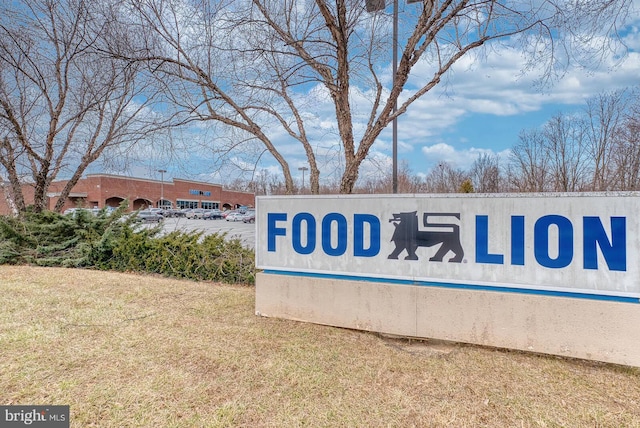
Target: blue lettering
[[273, 230], [565, 241], [482, 243], [614, 251], [517, 240], [304, 233], [359, 221], [297, 234], [341, 246], [367, 237], [613, 248]]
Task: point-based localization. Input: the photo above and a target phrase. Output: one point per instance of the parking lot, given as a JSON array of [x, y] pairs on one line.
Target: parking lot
[[234, 229]]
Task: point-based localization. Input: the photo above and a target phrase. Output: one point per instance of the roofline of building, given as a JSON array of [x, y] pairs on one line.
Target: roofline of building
[[184, 180], [124, 177], [197, 182]]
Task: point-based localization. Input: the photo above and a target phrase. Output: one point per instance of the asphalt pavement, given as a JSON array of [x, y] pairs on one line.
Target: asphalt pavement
[[246, 232]]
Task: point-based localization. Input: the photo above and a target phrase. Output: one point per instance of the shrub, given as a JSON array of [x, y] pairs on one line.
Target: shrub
[[116, 242]]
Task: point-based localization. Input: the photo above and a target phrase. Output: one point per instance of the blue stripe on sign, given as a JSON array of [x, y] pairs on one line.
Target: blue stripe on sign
[[553, 293]]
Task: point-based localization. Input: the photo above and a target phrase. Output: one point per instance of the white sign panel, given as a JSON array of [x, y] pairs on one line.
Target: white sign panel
[[557, 243]]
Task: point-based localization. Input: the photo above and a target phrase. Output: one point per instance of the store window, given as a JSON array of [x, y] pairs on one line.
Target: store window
[[207, 205], [183, 204]]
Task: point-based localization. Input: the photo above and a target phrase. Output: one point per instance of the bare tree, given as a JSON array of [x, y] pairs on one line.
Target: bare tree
[[529, 163], [596, 151], [485, 174], [445, 179], [260, 183], [327, 39], [626, 151], [604, 117], [61, 104], [565, 147], [408, 182], [188, 47], [252, 65], [8, 195]]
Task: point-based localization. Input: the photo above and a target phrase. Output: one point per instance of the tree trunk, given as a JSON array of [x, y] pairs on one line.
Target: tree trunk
[[9, 198]]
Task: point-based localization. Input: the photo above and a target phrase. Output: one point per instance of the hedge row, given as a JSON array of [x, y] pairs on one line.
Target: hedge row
[[116, 242]]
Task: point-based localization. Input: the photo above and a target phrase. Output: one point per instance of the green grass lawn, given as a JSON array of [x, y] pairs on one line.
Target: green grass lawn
[[142, 351]]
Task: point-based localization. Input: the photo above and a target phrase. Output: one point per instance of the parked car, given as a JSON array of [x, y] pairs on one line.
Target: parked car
[[249, 217], [76, 211], [195, 213], [149, 216], [158, 211], [214, 214], [179, 213], [226, 213], [234, 216], [168, 212], [70, 211]]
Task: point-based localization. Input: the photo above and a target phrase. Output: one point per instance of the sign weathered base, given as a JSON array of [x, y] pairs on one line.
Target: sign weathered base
[[605, 331]]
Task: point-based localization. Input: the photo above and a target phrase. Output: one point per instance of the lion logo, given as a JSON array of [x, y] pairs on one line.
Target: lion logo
[[407, 236]]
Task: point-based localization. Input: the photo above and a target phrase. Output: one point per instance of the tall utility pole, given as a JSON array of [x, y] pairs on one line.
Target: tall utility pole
[[303, 169], [395, 103], [161, 171], [374, 6]]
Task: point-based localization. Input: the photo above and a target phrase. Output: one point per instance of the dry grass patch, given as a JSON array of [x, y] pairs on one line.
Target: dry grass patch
[[140, 351]]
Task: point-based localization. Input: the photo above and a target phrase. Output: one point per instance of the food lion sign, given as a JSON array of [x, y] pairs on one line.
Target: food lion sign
[[510, 251]]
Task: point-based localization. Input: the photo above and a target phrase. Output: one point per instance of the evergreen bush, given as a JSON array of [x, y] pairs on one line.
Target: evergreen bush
[[116, 242]]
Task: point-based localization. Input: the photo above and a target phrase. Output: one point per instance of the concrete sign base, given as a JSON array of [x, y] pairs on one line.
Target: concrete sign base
[[607, 331]]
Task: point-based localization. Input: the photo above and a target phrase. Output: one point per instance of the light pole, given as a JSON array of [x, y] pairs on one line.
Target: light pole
[[303, 169], [395, 103], [374, 6], [162, 171]]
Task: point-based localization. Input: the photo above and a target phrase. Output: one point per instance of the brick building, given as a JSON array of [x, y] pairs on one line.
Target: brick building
[[101, 190]]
